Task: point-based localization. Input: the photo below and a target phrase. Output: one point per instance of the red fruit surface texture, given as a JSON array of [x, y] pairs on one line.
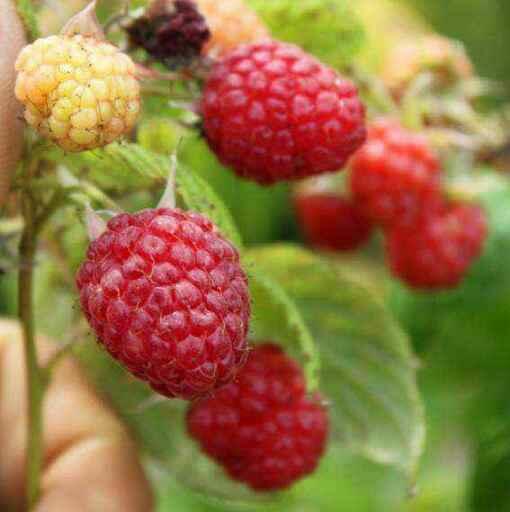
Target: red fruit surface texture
[[272, 113], [437, 252], [262, 428], [167, 297], [331, 222], [395, 176]]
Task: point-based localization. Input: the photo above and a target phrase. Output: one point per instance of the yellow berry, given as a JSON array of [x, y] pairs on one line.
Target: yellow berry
[[77, 91]]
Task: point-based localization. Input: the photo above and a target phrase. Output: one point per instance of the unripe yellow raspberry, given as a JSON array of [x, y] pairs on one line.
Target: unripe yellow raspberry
[[232, 23], [80, 92]]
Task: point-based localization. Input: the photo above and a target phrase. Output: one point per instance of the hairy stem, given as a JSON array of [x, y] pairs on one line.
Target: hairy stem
[[34, 375]]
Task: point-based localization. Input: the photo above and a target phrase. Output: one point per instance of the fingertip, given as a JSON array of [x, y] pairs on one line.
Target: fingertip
[[12, 40]]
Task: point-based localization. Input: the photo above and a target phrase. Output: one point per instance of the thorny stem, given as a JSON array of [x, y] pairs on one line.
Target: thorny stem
[[34, 374]]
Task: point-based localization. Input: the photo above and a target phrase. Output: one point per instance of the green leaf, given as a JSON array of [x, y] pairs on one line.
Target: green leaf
[[122, 166], [491, 481], [276, 317], [328, 29], [26, 12], [368, 371]]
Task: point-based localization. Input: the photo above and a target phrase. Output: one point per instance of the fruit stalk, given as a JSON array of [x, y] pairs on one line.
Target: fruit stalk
[[34, 374]]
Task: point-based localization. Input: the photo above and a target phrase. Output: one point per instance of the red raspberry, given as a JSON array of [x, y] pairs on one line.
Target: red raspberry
[[273, 113], [262, 428], [395, 175], [438, 251], [165, 294], [332, 222]]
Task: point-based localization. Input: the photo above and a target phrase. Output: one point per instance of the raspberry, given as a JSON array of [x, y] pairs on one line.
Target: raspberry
[[446, 58], [330, 221], [79, 92], [273, 113], [172, 31], [395, 176], [232, 24], [166, 295], [262, 428], [438, 251]]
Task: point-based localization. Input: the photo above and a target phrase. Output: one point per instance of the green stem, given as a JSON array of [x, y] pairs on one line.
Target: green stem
[[34, 375]]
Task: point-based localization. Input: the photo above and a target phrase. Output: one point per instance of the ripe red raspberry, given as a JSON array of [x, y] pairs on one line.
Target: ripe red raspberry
[[165, 294], [395, 175], [438, 251], [262, 428], [330, 221], [273, 113]]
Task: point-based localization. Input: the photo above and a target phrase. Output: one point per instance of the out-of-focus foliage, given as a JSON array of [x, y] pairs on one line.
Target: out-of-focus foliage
[[491, 481], [328, 29], [386, 24], [481, 24]]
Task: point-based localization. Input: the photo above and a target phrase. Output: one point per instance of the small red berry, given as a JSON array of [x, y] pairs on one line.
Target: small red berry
[[167, 297], [395, 175], [332, 222], [438, 251], [274, 113], [262, 428]]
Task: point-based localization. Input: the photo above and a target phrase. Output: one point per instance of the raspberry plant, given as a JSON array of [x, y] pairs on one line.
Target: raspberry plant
[[178, 295]]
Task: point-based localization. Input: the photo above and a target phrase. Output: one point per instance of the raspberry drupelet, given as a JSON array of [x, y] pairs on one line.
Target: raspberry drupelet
[[263, 428], [272, 113], [165, 294]]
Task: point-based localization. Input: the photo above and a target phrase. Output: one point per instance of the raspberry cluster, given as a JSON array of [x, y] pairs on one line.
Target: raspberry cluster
[[396, 182], [272, 112], [79, 92], [167, 297], [262, 428], [332, 222], [172, 31]]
